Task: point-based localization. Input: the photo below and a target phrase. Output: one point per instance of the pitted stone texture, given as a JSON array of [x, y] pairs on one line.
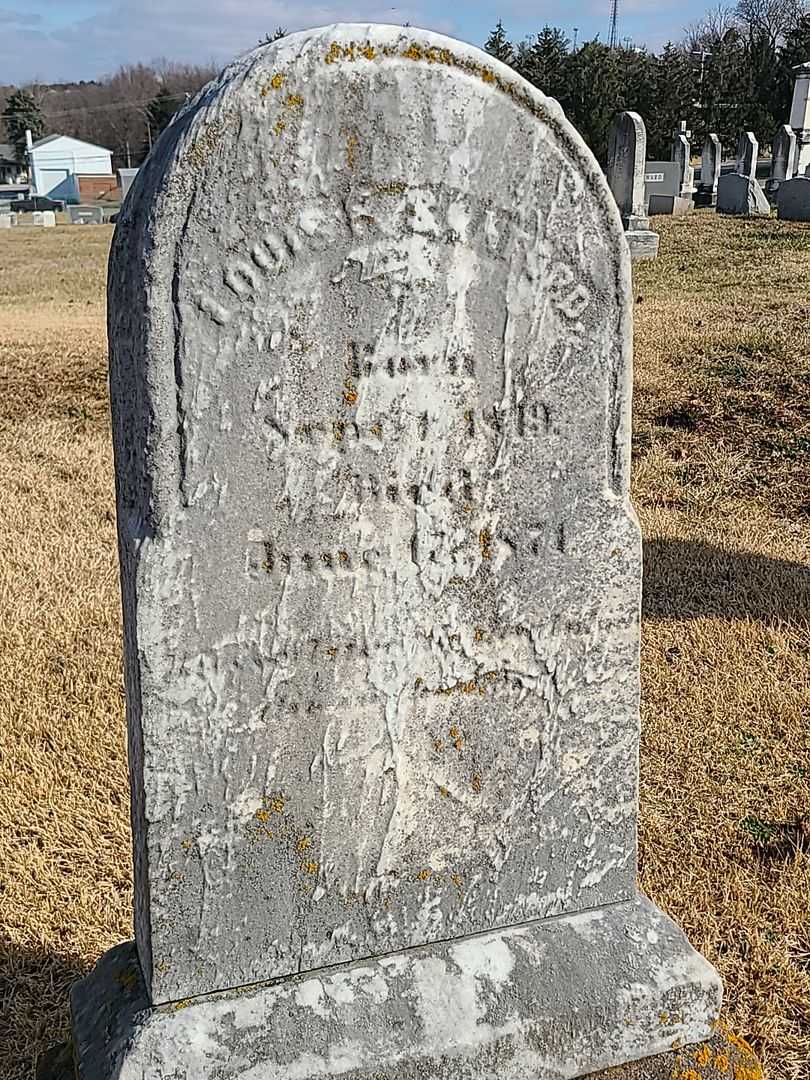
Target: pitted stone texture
[[381, 577], [783, 159], [737, 194], [643, 243], [627, 153], [550, 1000]]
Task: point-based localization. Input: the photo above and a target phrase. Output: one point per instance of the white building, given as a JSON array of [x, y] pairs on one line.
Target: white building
[[56, 162]]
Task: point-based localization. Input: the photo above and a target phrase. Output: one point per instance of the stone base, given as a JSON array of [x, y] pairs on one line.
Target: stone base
[[549, 1000], [673, 205], [643, 243]]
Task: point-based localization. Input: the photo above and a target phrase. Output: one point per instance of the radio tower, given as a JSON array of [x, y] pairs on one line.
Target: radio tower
[[613, 35]]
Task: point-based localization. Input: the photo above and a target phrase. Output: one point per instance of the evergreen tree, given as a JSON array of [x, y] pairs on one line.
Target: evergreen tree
[[22, 114], [499, 46], [544, 62], [675, 100], [161, 109], [596, 94]]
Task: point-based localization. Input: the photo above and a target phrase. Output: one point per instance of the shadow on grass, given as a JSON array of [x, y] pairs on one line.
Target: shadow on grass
[[34, 988], [687, 579]]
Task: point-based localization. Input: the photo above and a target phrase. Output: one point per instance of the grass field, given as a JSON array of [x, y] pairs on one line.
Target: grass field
[[722, 485]]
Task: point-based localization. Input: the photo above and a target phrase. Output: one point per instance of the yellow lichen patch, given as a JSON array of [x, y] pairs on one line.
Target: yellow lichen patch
[[478, 635], [443, 792], [663, 1017], [178, 1005], [343, 557], [186, 845], [349, 392], [304, 843], [423, 875], [748, 1072], [331, 651], [262, 816], [703, 1055], [338, 428], [277, 81], [688, 1074], [310, 867], [456, 879], [485, 543], [368, 51], [721, 1063], [413, 52], [487, 75], [292, 101], [438, 745], [476, 784], [279, 127], [351, 150], [274, 803], [376, 429], [393, 187], [333, 54]]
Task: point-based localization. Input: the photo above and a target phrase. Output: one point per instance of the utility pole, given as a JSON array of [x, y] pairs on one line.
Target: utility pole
[[576, 31], [613, 36]]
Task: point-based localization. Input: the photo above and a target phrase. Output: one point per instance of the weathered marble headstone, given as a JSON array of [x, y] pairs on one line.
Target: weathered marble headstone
[[710, 163], [48, 219], [682, 155], [627, 153], [800, 117], [783, 160], [7, 220], [36, 218], [370, 375], [747, 154]]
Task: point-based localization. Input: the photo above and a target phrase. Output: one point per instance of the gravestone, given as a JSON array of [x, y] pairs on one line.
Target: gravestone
[[85, 215], [682, 155], [793, 198], [125, 178], [370, 377], [627, 152], [800, 117], [48, 219], [7, 220], [741, 196], [783, 159], [662, 184], [710, 163], [747, 154], [36, 218]]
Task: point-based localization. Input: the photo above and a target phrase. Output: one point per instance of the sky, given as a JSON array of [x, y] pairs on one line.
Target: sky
[[65, 40]]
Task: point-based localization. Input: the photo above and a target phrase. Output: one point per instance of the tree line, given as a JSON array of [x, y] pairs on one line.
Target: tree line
[[731, 71]]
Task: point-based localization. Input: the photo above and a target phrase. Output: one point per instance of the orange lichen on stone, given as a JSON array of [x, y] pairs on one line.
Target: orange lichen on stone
[[304, 843], [438, 745], [703, 1055], [279, 127], [476, 784], [456, 879], [293, 100], [351, 151], [368, 51], [443, 792], [423, 875], [487, 75], [413, 52], [277, 81], [721, 1063], [262, 815], [485, 543], [310, 867]]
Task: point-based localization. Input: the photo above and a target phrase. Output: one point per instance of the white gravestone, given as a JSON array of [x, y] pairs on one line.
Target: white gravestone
[[370, 375], [783, 159], [7, 220], [48, 219], [710, 164], [682, 155], [800, 117], [627, 153], [747, 154]]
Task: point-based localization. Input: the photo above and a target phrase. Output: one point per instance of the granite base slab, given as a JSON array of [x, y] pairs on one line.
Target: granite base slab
[[550, 1000]]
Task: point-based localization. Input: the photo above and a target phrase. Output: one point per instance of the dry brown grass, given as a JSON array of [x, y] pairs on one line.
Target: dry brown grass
[[722, 434]]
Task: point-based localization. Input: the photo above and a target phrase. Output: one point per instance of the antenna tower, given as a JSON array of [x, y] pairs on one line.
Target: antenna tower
[[613, 35]]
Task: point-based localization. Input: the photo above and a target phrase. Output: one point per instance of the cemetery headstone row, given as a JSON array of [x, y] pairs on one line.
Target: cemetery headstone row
[[627, 153]]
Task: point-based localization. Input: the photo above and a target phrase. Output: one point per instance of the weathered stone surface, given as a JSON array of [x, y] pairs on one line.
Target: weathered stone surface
[[747, 154], [627, 153], [793, 199], [737, 194], [643, 243], [783, 159], [721, 1057], [549, 1000], [381, 576]]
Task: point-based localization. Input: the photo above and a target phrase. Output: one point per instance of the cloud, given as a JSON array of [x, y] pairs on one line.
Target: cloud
[[183, 30], [19, 18]]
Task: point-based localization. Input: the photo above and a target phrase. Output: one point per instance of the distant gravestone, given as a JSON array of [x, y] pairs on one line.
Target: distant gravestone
[[125, 179], [85, 215], [370, 376], [747, 154], [48, 219], [783, 158], [682, 156], [793, 198], [627, 152], [36, 218], [662, 184], [7, 220], [710, 164], [741, 195], [800, 117]]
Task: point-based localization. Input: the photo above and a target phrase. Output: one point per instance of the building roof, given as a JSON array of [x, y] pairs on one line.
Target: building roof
[[56, 135], [8, 153]]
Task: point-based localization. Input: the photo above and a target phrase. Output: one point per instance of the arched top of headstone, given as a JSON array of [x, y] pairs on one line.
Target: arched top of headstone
[[370, 366]]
